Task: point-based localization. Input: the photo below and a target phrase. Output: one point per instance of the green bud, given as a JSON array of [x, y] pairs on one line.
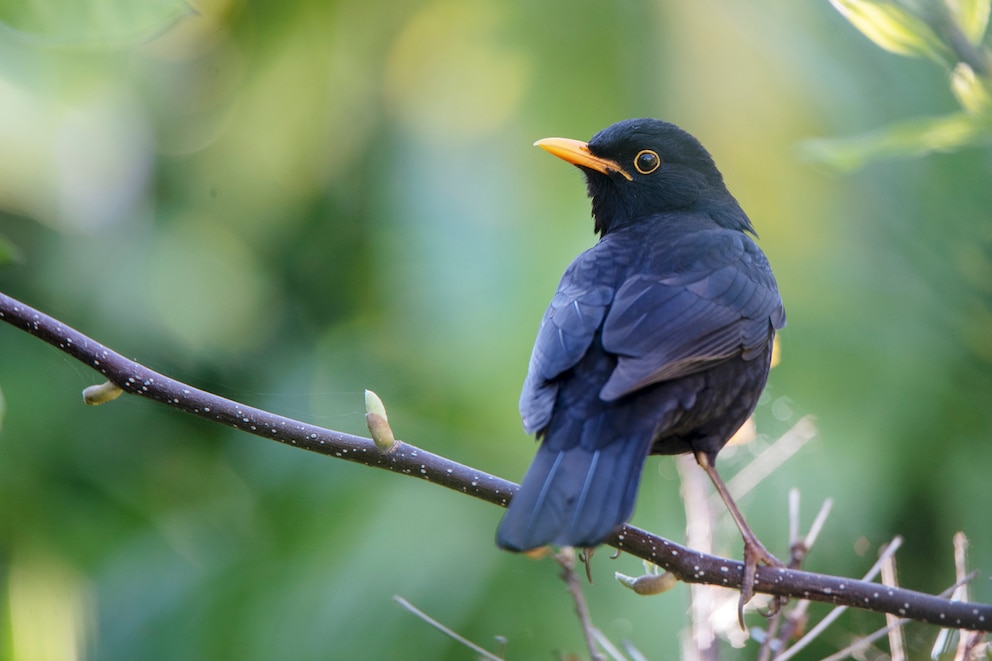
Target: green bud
[[378, 423], [649, 583], [101, 394]]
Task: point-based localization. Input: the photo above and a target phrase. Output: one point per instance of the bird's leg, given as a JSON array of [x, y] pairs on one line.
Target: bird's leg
[[754, 550]]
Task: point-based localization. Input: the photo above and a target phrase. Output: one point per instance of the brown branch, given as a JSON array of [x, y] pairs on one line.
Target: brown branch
[[688, 565]]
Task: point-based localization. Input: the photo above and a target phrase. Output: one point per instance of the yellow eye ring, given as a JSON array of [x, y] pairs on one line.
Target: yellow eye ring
[[647, 161]]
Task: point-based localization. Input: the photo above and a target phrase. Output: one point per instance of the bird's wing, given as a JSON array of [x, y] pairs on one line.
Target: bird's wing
[[567, 329], [719, 302]]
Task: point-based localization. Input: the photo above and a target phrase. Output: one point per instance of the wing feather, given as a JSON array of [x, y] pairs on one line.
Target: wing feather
[[571, 321], [666, 326]]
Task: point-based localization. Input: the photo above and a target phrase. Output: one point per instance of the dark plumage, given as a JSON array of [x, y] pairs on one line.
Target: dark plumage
[[658, 340]]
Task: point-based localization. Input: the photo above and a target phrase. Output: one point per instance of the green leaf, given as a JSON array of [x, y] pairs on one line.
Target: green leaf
[[916, 137], [972, 16], [893, 28], [90, 23]]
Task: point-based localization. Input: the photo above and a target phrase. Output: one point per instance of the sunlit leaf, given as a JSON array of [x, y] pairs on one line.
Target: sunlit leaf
[[973, 92], [90, 23], [893, 28], [914, 137], [972, 16]]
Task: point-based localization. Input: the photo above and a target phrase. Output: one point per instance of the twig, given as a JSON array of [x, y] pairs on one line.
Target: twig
[[685, 564], [817, 525], [605, 643], [445, 630], [974, 645], [897, 649], [832, 616], [944, 638], [699, 644], [634, 653], [968, 641], [961, 594], [774, 456], [794, 496], [566, 560], [776, 639], [862, 643]]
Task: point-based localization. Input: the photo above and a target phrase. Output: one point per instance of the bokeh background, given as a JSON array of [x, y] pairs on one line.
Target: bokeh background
[[287, 203]]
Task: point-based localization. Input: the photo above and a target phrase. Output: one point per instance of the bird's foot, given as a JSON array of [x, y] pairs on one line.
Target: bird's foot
[[754, 553]]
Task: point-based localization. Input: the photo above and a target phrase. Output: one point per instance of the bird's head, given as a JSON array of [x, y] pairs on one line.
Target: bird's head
[[640, 167]]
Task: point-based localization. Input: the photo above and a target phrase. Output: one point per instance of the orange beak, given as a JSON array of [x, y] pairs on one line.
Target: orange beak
[[577, 152]]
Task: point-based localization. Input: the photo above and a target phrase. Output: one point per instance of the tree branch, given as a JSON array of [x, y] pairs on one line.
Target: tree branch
[[688, 565]]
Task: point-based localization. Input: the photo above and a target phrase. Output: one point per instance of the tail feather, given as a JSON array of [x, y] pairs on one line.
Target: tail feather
[[574, 496]]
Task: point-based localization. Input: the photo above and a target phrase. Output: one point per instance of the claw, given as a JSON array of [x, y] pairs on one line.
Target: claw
[[754, 552], [585, 556]]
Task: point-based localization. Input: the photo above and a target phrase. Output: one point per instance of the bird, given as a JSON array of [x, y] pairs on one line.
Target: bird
[[658, 340]]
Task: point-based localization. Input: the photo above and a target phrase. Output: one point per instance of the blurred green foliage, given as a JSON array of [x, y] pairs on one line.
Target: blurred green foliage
[[289, 203], [950, 33]]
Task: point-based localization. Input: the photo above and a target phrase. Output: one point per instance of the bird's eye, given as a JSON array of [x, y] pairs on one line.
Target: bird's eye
[[647, 161]]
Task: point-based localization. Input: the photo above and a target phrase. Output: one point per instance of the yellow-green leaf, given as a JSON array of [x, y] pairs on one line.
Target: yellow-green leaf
[[893, 28], [972, 16], [914, 137], [973, 92]]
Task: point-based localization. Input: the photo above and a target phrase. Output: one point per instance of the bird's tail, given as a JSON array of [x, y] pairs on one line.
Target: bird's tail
[[575, 496]]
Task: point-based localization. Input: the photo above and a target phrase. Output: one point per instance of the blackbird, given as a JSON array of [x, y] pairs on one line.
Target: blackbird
[[657, 341]]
